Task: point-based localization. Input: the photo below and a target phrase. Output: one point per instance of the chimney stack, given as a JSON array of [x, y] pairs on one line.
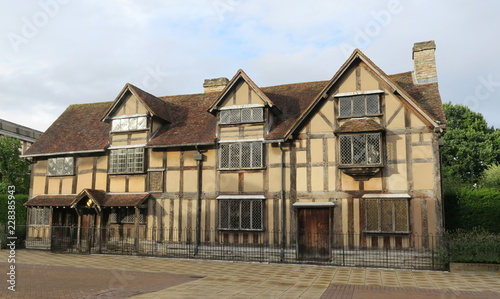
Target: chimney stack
[[424, 62], [217, 84]]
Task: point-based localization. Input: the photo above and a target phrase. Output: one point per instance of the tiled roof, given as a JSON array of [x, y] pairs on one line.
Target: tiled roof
[[292, 100], [78, 129], [358, 125], [426, 95], [124, 200], [100, 197], [51, 200], [104, 199], [189, 123], [155, 105]]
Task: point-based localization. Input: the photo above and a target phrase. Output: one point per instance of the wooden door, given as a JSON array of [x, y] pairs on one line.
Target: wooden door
[[313, 234], [87, 230]]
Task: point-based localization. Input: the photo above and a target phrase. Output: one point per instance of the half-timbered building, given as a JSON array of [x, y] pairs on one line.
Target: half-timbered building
[[351, 161]]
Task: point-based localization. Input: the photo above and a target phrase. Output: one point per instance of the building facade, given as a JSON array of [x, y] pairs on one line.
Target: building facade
[[354, 160], [26, 135]]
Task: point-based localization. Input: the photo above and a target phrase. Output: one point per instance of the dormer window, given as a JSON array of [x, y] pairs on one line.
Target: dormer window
[[129, 123], [357, 105], [242, 115]]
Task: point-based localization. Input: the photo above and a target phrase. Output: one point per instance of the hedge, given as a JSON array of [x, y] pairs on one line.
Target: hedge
[[20, 209], [475, 246], [469, 208]]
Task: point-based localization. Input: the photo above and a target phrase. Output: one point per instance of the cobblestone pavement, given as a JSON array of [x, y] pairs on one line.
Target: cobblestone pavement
[[46, 275]]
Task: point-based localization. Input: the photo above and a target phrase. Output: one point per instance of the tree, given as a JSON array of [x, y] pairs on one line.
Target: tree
[[469, 146], [14, 170], [491, 177]]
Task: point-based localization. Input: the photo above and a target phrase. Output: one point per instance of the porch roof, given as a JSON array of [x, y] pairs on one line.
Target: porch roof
[[51, 201], [99, 197]]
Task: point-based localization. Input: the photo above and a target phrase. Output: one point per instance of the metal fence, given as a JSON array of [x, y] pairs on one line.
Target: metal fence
[[416, 252]]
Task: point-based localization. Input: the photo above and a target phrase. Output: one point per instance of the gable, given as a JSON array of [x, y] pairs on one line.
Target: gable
[[360, 76], [242, 94], [241, 89], [128, 104]]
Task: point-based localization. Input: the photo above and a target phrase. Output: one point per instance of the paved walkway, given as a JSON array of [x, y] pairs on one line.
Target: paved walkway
[[46, 275]]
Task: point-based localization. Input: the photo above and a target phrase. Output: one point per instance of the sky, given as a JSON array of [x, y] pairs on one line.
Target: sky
[[54, 53]]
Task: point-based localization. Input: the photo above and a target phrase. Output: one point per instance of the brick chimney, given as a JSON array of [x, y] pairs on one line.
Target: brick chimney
[[424, 62], [217, 84]]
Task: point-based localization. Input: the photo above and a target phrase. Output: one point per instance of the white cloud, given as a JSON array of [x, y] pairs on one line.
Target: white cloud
[[87, 51]]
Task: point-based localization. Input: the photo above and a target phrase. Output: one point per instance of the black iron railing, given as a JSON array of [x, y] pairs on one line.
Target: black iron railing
[[413, 252]]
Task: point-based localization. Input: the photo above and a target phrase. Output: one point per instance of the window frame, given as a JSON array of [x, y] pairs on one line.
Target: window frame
[[367, 150], [61, 165], [239, 162], [124, 212], [255, 224], [39, 216], [124, 160], [352, 97], [228, 116], [381, 203], [129, 119]]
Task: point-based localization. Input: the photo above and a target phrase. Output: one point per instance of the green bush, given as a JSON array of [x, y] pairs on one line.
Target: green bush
[[469, 208], [476, 246], [20, 219], [20, 209]]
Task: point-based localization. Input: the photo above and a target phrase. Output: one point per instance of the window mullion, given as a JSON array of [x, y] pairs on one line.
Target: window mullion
[[393, 215], [251, 214], [240, 206], [379, 208], [352, 149]]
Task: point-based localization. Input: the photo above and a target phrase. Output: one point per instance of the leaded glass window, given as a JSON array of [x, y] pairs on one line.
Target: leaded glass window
[[242, 115], [241, 214], [61, 166], [360, 149], [40, 216], [127, 160], [359, 105], [241, 155], [129, 124], [387, 215]]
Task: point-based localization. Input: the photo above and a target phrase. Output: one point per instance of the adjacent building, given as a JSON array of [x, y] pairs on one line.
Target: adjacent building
[[26, 135], [351, 161]]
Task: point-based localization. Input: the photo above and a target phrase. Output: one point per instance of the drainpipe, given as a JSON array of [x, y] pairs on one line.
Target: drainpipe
[[199, 161], [283, 204]]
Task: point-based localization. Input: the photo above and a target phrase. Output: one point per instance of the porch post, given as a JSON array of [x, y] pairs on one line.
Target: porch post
[[79, 230], [136, 226], [98, 227]]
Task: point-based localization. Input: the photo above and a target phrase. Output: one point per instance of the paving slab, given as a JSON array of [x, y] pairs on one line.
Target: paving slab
[[42, 274]]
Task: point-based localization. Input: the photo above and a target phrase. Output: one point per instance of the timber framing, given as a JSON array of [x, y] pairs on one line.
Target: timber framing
[[242, 163]]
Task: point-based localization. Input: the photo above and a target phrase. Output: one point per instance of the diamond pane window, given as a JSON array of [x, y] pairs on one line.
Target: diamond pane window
[[61, 166], [360, 149], [242, 115], [40, 216], [372, 104], [129, 124], [240, 214], [387, 215], [127, 160], [359, 105], [126, 215], [225, 116], [240, 155]]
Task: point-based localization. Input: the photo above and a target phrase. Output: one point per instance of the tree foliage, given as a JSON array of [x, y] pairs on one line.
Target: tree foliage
[[470, 146], [491, 177], [14, 170]]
